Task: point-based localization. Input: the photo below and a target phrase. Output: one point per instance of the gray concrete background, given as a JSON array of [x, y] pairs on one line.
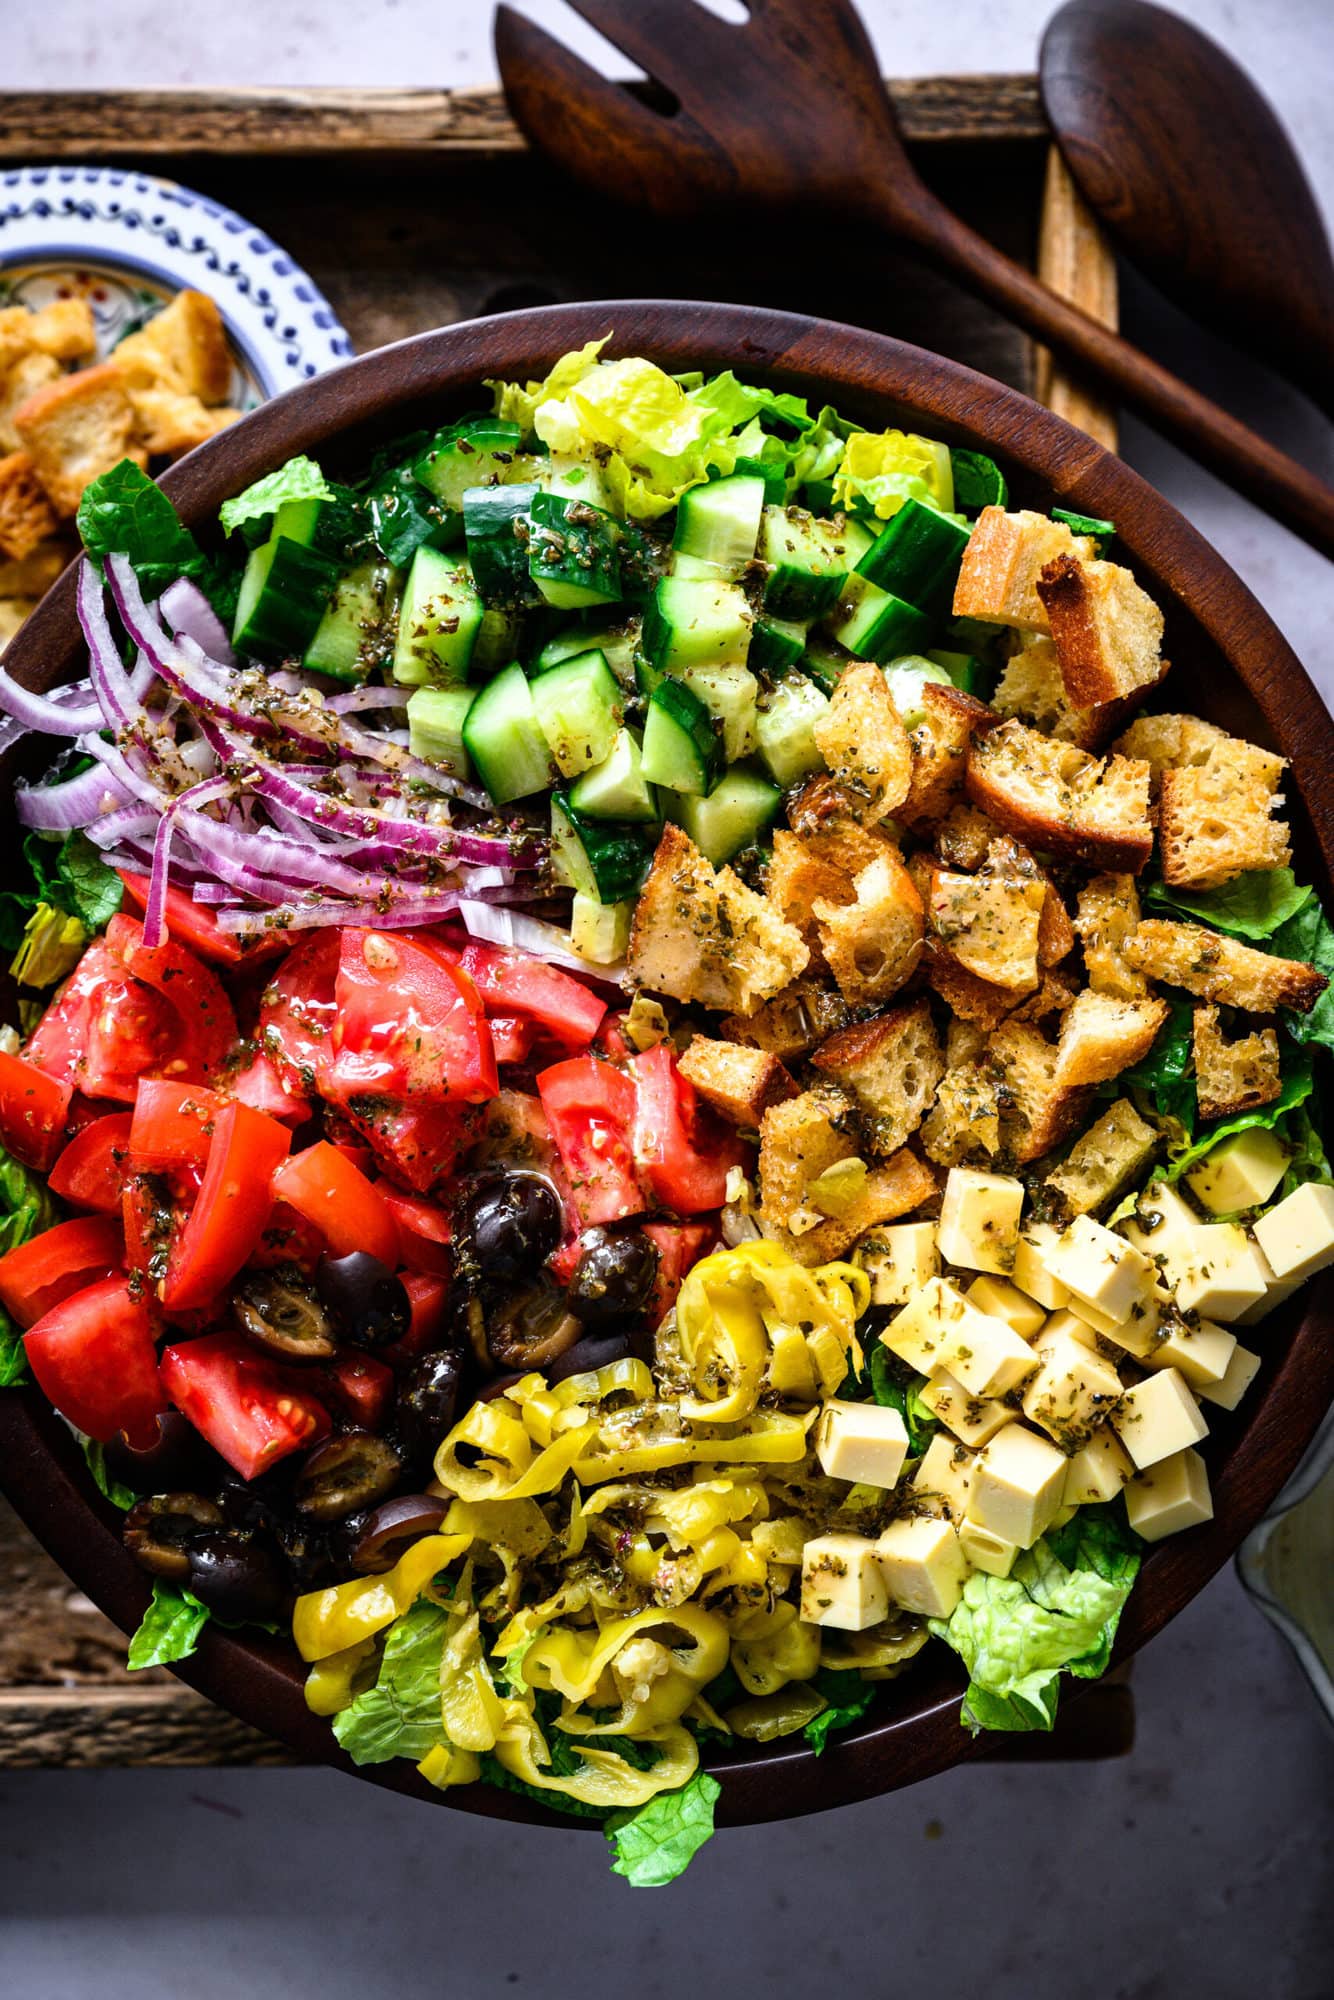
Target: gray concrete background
[[1199, 1865]]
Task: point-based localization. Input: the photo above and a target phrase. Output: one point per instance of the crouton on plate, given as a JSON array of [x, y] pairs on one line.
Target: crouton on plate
[[1222, 969], [701, 934], [738, 1082], [890, 1067], [1005, 556], [1060, 800], [1107, 630], [1233, 1075]]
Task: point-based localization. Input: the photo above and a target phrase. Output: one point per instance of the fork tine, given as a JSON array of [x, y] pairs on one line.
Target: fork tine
[[672, 40]]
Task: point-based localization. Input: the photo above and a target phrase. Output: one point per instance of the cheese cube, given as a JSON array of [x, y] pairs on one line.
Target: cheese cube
[[1240, 1173], [1163, 1227], [923, 1565], [1101, 1269], [979, 1219], [1297, 1236], [1031, 1272], [974, 1419], [899, 1261], [1005, 1301], [1097, 1472], [864, 1443], [941, 1480], [1137, 1335], [1073, 1390], [940, 1329], [842, 1584], [1227, 1275], [1241, 1372], [1175, 1495], [918, 1334], [1158, 1418], [1201, 1353], [985, 1551], [1017, 1486], [1275, 1296]]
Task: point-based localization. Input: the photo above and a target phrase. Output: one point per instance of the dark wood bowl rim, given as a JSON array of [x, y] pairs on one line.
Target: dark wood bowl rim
[[878, 379]]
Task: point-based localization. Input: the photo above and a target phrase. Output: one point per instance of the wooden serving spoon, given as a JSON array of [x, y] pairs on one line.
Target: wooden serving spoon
[[789, 111], [1175, 149]]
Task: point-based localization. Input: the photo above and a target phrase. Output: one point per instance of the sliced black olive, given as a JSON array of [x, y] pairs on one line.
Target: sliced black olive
[[238, 1575], [386, 1532], [284, 1317], [531, 1329], [369, 1305], [595, 1350], [158, 1531], [178, 1462], [614, 1276], [506, 1228], [344, 1473], [428, 1397]]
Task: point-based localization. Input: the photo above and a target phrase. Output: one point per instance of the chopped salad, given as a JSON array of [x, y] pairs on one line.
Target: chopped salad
[[666, 1079]]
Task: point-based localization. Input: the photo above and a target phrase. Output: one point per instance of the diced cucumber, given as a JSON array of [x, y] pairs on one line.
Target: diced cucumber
[[965, 670], [809, 561], [355, 634], [600, 932], [438, 620], [574, 479], [573, 552], [731, 696], [496, 524], [876, 625], [786, 730], [697, 623], [570, 865], [504, 738], [733, 815], [617, 787], [579, 707], [680, 747], [332, 526], [698, 569], [773, 473], [643, 562], [720, 522], [435, 727], [823, 663], [917, 554], [617, 644], [907, 676], [776, 644], [607, 863], [497, 641], [285, 590], [477, 451]]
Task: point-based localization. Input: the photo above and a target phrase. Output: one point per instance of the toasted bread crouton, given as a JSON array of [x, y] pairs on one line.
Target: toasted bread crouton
[[950, 718], [872, 946], [1107, 629], [32, 575], [1218, 968], [1167, 742], [1052, 796], [864, 743], [965, 1042], [184, 347], [75, 429], [978, 1001], [1031, 690], [1101, 1036], [1214, 817], [166, 422], [1010, 861], [1056, 992], [890, 1067], [1233, 1076], [964, 837], [22, 379], [1107, 914], [15, 335], [893, 1188], [26, 515], [792, 1023], [703, 935], [823, 818], [1104, 1160], [795, 878], [14, 613], [799, 1141], [1037, 1111], [1006, 554], [739, 1083], [65, 330], [962, 1128], [988, 923]]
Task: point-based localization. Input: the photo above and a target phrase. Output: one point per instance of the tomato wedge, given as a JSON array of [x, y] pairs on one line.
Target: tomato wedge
[[510, 982], [48, 1268], [231, 1209], [205, 1022], [93, 1356], [410, 1024], [419, 1144], [360, 1389], [191, 924], [173, 1125], [250, 1410], [33, 1109], [265, 1086], [680, 1246], [590, 1108], [298, 1010], [683, 1153], [91, 1171], [322, 1185], [428, 1295], [511, 1038], [104, 1030], [424, 1232]]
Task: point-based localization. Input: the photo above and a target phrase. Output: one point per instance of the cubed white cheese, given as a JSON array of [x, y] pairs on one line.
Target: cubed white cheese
[[842, 1583], [1163, 1227], [899, 1261], [1241, 1372], [923, 1565], [1137, 1334], [1017, 1485], [1201, 1352], [942, 1478], [1073, 1391], [1097, 1472], [1173, 1496], [864, 1443], [973, 1419], [1158, 1418], [985, 1551], [1275, 1296], [1228, 1273], [1297, 1235], [979, 1219], [1003, 1300], [919, 1334], [1242, 1172], [939, 1329], [1101, 1269], [1031, 1272]]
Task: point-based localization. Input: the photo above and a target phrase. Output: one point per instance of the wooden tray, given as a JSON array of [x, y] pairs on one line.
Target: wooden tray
[[412, 209]]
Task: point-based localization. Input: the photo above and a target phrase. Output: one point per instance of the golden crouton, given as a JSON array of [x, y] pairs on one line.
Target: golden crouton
[[168, 423], [890, 1066], [1233, 1076], [1101, 1036], [1031, 690], [1037, 1111], [822, 815], [1218, 968], [32, 575], [1108, 912], [963, 837], [978, 1001], [15, 335], [739, 1083], [1107, 629], [14, 612], [865, 744], [75, 429], [1103, 1161], [65, 330], [1006, 554], [1167, 742], [793, 880], [184, 347], [1214, 817], [26, 515], [703, 935], [950, 719], [792, 1023], [799, 1141], [962, 1128], [965, 1042], [1054, 797], [872, 946], [28, 373], [989, 924]]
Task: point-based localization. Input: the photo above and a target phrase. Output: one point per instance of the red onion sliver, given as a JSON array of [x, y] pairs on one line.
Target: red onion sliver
[[191, 616], [59, 808]]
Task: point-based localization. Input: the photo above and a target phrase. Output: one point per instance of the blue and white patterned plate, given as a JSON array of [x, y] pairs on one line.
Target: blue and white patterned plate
[[129, 242]]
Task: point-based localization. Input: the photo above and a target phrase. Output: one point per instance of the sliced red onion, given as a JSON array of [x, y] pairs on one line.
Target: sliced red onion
[[132, 822], [216, 895], [191, 616], [400, 916], [132, 781], [46, 712], [533, 935], [76, 802], [120, 700], [155, 909], [366, 697]]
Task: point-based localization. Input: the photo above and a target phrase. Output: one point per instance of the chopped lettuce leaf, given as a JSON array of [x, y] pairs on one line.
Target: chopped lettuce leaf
[[737, 402], [1058, 1609], [520, 402], [84, 885], [95, 1455], [1165, 1073], [1308, 935], [882, 469], [887, 1388], [1309, 1161], [1253, 906], [848, 1697], [122, 512], [49, 948], [400, 1715], [26, 1209], [299, 479], [657, 1841], [170, 1628]]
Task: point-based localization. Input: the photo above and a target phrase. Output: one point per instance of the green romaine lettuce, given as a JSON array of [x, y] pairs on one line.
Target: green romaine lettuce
[[1254, 906], [95, 1456], [299, 479], [170, 1628], [1297, 1083], [1308, 935], [737, 402], [1164, 1074], [1309, 1161], [882, 469], [656, 1842], [400, 1715], [848, 1697], [123, 513], [69, 875]]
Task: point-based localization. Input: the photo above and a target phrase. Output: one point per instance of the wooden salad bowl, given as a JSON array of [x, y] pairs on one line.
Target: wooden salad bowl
[[1229, 662]]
